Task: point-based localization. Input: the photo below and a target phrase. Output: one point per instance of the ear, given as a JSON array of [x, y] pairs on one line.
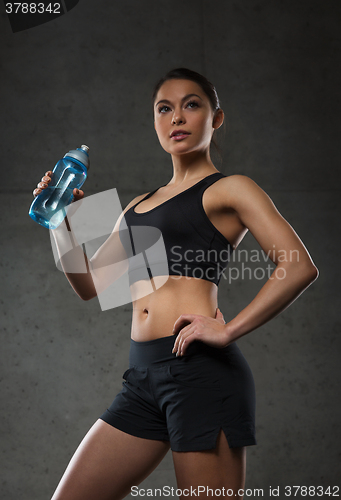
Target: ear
[[218, 119]]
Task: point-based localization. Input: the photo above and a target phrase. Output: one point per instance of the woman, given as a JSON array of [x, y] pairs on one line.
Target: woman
[[188, 386]]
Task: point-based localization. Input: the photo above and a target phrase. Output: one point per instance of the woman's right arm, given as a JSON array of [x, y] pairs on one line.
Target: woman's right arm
[[88, 277]]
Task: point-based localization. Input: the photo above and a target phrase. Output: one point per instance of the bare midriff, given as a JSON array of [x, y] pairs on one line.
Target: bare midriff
[[154, 314]]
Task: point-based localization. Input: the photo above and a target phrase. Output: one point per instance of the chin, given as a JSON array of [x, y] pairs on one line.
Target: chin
[[182, 148], [176, 150], [182, 152]]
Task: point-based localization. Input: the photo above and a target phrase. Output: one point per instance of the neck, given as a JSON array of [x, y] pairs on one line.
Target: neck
[[191, 166]]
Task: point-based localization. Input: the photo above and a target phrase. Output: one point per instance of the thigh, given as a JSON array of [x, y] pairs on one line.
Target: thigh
[[107, 463], [222, 467]]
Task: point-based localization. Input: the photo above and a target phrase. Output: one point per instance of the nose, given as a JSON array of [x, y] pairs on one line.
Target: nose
[[177, 117]]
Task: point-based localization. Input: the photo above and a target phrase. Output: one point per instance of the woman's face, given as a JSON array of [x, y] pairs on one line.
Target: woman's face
[[183, 117]]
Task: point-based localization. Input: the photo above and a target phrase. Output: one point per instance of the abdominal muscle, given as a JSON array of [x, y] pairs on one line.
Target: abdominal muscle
[[154, 314]]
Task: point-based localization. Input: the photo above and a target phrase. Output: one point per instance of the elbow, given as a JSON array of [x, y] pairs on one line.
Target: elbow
[[305, 273], [87, 293], [314, 273], [310, 273], [87, 297], [84, 294]]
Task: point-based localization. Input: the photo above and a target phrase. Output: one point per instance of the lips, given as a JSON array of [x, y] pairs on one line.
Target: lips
[[179, 134]]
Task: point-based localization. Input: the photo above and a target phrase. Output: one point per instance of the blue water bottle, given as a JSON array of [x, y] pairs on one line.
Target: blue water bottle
[[69, 173]]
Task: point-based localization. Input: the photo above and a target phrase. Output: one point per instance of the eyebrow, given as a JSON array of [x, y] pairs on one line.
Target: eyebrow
[[182, 100]]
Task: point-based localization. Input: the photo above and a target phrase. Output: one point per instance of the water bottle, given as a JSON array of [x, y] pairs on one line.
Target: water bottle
[[69, 173]]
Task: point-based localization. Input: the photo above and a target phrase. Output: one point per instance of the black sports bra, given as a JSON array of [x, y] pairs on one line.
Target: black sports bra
[[175, 238]]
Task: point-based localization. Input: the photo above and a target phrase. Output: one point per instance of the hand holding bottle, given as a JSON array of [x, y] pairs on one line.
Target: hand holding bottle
[[45, 180], [78, 194], [57, 189]]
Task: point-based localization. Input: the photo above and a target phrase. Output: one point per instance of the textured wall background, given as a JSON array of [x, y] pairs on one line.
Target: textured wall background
[[86, 77]]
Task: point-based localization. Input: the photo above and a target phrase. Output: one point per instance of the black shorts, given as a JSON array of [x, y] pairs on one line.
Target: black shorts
[[187, 399]]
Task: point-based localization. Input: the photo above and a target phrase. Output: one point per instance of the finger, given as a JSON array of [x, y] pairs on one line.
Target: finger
[[46, 179], [42, 185], [190, 337], [183, 320], [180, 336], [49, 173], [219, 316], [184, 333], [78, 194], [37, 191]]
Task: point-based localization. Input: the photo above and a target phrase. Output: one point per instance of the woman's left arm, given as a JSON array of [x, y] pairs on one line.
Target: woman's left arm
[[294, 270]]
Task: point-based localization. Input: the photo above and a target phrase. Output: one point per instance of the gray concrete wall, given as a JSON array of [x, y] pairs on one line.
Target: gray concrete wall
[[86, 78]]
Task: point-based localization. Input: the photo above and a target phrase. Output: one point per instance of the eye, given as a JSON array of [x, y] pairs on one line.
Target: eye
[[192, 104], [163, 109]]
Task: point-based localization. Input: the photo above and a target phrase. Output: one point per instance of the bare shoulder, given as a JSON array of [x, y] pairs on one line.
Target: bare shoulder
[[238, 183], [242, 193]]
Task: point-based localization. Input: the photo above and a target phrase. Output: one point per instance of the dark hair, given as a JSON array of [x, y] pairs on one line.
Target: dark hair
[[206, 85], [187, 74]]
